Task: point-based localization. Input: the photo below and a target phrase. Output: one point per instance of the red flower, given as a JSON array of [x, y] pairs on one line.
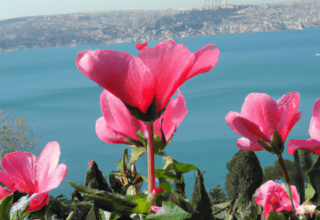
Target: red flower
[[154, 77], [118, 123], [260, 116], [140, 46], [33, 175], [312, 144], [273, 197]]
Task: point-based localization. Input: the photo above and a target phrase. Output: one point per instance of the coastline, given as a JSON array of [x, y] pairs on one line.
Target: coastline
[[131, 26]]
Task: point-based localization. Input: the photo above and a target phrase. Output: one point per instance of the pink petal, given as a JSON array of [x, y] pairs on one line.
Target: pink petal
[[54, 179], [244, 127], [140, 46], [294, 120], [205, 59], [47, 161], [4, 192], [262, 192], [172, 117], [295, 197], [314, 129], [49, 175], [288, 106], [246, 144], [316, 109], [272, 189], [155, 208], [123, 75], [108, 135], [8, 181], [39, 201], [21, 166], [118, 118], [309, 145], [262, 110], [169, 64]]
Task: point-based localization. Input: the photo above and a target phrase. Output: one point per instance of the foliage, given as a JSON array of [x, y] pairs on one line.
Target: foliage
[[15, 133]]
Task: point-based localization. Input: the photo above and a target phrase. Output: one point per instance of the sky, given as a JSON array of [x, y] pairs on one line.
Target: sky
[[23, 8]]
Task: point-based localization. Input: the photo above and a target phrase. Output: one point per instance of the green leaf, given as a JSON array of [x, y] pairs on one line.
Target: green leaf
[[137, 152], [93, 214], [143, 206], [118, 202], [166, 187], [5, 206], [299, 177], [159, 148], [125, 159], [172, 212], [120, 165], [173, 170], [114, 216], [276, 216], [135, 142], [141, 138], [200, 198], [184, 168], [160, 173], [315, 181], [143, 177], [26, 214], [101, 212]]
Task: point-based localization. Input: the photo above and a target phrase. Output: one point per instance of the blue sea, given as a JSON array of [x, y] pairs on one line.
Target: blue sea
[[44, 87]]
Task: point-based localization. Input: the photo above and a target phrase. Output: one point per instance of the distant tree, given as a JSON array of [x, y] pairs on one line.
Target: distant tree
[[15, 134]]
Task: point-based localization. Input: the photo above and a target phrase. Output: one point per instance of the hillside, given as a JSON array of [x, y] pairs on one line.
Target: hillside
[[127, 26]]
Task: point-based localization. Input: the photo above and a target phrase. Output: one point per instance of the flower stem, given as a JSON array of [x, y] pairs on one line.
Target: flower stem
[[150, 153], [287, 179]]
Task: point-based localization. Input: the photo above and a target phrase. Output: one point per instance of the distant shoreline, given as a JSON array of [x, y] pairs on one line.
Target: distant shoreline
[[130, 26]]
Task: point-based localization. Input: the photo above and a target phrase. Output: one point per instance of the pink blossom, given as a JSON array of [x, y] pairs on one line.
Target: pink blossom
[[33, 175], [260, 116], [156, 76], [312, 144], [118, 123], [154, 209], [272, 196], [140, 46]]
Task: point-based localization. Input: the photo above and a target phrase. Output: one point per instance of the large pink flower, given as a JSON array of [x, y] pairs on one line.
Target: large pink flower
[[312, 144], [272, 196], [33, 175], [260, 116], [118, 123], [155, 76]]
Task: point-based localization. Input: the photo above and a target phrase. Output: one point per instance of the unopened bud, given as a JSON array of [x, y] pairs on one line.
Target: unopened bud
[[133, 168], [277, 143], [265, 145]]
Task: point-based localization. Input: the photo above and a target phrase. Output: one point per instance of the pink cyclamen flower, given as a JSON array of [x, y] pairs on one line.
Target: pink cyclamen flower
[[140, 46], [156, 210], [260, 116], [312, 144], [156, 76], [33, 175], [118, 123], [273, 197]]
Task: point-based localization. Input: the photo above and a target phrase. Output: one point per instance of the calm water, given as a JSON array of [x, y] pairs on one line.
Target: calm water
[[45, 87]]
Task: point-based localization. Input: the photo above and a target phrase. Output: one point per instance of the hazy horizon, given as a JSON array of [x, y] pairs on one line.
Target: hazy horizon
[[21, 8]]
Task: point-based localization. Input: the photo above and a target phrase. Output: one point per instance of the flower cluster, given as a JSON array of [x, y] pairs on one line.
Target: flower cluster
[[265, 124], [137, 110]]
